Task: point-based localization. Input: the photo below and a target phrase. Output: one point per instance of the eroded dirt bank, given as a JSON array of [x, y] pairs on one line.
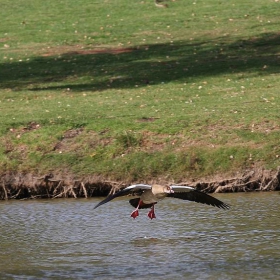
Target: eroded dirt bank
[[28, 186]]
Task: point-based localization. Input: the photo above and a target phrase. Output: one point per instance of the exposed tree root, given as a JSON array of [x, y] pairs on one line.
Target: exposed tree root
[[254, 180], [5, 191], [26, 186]]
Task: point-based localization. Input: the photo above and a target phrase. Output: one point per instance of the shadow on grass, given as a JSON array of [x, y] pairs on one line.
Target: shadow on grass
[[97, 70]]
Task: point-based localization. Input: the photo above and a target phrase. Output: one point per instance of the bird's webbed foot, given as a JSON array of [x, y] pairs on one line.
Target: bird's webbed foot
[[134, 214], [151, 214]]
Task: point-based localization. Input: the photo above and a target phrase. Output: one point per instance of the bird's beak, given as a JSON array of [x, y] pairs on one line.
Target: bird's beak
[[171, 191]]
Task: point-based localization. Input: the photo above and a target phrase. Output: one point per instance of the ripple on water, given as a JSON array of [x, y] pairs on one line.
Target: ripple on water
[[68, 239]]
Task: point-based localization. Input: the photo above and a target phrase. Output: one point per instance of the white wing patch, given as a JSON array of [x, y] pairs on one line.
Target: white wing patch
[[138, 186], [182, 188]]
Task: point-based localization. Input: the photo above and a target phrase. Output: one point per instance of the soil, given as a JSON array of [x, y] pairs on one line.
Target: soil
[[28, 186], [79, 50]]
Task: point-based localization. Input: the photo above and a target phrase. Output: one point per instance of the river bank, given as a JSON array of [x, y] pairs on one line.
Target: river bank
[[107, 101], [28, 186]]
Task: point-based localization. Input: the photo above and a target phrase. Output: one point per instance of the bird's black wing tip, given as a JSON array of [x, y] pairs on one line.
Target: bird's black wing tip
[[224, 206], [97, 205]]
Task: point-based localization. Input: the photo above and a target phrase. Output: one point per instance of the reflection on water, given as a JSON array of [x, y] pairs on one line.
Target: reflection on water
[[56, 239]]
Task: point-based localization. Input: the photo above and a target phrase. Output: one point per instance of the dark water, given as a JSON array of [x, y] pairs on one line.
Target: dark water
[[66, 239]]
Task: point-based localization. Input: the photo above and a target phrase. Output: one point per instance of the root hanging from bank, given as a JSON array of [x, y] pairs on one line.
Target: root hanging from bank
[[254, 180], [27, 186], [52, 186], [5, 191]]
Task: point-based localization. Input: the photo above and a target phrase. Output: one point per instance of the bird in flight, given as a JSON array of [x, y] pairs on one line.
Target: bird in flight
[[146, 196]]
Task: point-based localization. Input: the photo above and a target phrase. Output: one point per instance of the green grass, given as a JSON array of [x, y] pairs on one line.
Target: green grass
[[188, 91]]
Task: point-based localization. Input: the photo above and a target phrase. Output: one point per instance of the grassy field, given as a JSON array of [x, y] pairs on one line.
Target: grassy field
[[128, 91]]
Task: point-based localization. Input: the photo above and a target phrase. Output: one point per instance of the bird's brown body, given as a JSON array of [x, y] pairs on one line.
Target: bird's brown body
[[156, 193]]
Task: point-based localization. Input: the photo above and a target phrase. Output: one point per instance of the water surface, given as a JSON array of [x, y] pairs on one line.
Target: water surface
[[59, 239]]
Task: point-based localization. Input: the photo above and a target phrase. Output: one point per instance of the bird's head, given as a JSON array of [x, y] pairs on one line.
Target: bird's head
[[168, 190]]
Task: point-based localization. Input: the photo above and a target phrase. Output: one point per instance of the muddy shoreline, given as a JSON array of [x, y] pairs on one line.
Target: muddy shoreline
[[29, 186]]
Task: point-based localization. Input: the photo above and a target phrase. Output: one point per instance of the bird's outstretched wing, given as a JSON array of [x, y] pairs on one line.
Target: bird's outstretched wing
[[189, 193], [133, 190]]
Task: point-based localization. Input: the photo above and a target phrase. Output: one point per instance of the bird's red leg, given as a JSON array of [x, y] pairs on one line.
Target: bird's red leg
[[135, 213], [151, 214]]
